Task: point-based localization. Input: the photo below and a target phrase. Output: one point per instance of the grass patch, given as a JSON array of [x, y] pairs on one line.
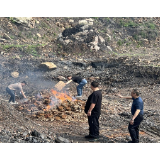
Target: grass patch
[[28, 49]]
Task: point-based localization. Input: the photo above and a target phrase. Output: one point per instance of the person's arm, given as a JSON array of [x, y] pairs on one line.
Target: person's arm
[[69, 82], [23, 93], [90, 109], [134, 116], [125, 97]]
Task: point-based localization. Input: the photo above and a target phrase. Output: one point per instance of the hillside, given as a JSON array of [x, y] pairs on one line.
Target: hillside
[[75, 36]]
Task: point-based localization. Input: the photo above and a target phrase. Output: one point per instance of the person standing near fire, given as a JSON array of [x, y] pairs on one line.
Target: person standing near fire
[[12, 88], [81, 81], [137, 115], [93, 111]]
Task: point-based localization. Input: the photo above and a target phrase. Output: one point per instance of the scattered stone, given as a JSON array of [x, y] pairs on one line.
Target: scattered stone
[[48, 65], [109, 48], [71, 21], [14, 74], [62, 140], [38, 35], [61, 78], [28, 21]]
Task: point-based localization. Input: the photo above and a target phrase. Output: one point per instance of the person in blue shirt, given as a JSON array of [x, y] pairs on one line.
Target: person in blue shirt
[[137, 115]]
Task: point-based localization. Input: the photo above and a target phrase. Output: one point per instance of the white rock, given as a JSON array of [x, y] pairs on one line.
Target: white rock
[[67, 41], [71, 21], [109, 48], [83, 22], [108, 36], [84, 27], [23, 20], [101, 39], [65, 67], [38, 35], [86, 21]]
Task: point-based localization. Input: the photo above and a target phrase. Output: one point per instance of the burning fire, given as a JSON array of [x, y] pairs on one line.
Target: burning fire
[[58, 96], [61, 96]]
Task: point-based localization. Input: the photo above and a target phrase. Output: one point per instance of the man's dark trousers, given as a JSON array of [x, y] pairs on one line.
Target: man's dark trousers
[[134, 129], [93, 122], [11, 92]]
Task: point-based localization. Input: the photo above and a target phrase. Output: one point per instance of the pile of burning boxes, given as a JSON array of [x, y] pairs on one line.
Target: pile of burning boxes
[[53, 105]]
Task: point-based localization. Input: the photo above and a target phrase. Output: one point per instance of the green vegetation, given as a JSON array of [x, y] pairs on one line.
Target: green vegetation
[[127, 23], [29, 49]]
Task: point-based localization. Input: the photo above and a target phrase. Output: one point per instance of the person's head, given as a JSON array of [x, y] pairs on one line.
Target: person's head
[[69, 77], [94, 85], [135, 93], [23, 83]]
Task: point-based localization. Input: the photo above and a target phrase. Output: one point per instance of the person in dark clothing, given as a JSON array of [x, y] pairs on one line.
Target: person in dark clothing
[[93, 111], [81, 81], [137, 115]]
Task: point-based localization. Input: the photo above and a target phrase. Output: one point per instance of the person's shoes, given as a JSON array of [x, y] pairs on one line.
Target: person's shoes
[[14, 102], [10, 102], [78, 97], [93, 139], [89, 136], [130, 142]]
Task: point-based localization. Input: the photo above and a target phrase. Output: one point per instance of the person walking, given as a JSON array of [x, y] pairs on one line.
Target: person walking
[[81, 81], [137, 115], [12, 88], [93, 111]]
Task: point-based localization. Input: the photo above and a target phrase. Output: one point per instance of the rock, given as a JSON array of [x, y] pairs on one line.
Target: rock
[[96, 48], [35, 133], [48, 65], [109, 48], [57, 118], [88, 68], [84, 27], [24, 21], [83, 22], [71, 21], [86, 22], [2, 40], [101, 39], [6, 36], [62, 140], [65, 67], [67, 41], [38, 35], [64, 116], [61, 78], [14, 74], [42, 135], [108, 36], [37, 22]]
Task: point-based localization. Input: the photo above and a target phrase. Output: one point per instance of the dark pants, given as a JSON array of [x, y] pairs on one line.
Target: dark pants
[[11, 92], [134, 129], [93, 122]]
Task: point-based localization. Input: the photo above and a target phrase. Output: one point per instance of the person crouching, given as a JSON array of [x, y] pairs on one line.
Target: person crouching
[[12, 88]]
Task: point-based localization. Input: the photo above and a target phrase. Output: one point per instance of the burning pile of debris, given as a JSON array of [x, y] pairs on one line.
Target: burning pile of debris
[[53, 105]]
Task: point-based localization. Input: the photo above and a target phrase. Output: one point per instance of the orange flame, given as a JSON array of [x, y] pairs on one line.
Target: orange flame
[[61, 96], [47, 108]]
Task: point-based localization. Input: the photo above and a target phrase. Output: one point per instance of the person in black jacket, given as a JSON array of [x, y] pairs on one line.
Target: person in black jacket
[[81, 81], [93, 111]]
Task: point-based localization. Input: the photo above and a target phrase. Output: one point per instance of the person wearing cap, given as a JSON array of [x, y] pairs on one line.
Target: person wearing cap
[[12, 88]]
